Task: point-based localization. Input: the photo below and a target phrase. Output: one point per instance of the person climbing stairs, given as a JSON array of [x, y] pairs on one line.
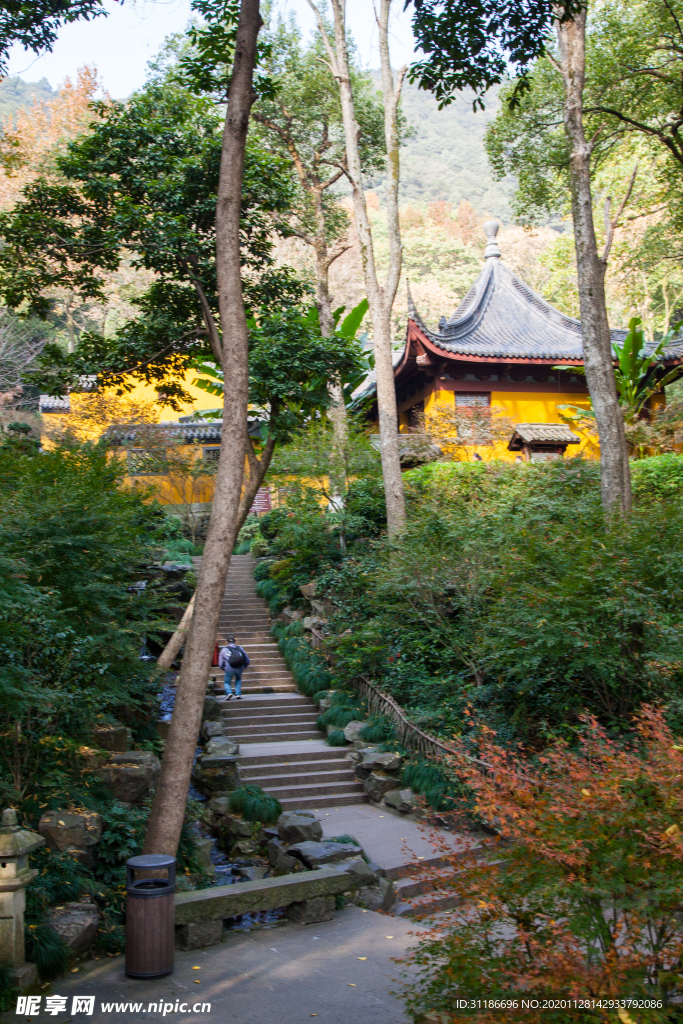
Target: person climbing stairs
[[281, 748]]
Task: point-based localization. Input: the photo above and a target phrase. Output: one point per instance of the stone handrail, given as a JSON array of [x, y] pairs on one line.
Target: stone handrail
[[264, 894], [407, 733]]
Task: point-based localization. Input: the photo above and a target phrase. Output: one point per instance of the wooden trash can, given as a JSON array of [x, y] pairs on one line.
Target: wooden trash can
[[150, 916]]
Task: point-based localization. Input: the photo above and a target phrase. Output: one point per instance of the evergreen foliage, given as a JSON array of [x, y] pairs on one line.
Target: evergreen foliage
[[254, 804], [508, 594]]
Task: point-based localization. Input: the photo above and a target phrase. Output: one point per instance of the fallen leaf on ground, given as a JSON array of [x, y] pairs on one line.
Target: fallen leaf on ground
[[362, 958]]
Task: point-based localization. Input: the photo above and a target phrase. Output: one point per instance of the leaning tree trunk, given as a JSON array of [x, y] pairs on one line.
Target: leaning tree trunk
[[168, 808], [380, 298], [597, 347]]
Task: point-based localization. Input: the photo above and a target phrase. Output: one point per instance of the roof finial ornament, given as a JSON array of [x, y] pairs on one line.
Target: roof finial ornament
[[491, 231], [412, 312]]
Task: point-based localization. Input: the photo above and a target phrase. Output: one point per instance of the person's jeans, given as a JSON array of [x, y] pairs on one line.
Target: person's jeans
[[235, 673]]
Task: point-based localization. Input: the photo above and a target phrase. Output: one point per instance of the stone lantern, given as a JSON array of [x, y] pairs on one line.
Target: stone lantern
[[15, 845]]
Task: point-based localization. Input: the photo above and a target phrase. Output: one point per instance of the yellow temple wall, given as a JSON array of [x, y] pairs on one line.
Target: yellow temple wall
[[518, 407]]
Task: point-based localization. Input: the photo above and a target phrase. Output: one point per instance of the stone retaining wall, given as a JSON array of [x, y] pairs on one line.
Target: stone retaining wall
[[264, 894]]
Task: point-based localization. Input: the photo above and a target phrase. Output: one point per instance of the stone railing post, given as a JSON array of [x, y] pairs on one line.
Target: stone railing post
[[15, 845]]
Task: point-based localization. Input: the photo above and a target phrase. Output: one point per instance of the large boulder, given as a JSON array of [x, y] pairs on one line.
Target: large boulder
[[351, 731], [111, 737], [299, 827], [308, 589], [216, 773], [324, 608], [313, 622], [381, 896], [291, 614], [202, 848], [377, 784], [211, 729], [132, 776], [320, 908], [314, 855], [221, 746], [402, 800], [376, 760], [212, 710], [71, 831], [76, 923], [194, 936], [231, 828], [219, 806], [360, 874], [280, 861]]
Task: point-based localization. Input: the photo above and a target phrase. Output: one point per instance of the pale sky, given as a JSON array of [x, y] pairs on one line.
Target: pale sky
[[121, 44]]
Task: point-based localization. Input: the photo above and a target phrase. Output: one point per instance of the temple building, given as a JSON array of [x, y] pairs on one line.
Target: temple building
[[497, 352]]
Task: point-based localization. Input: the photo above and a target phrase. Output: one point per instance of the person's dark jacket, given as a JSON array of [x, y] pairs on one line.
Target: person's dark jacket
[[224, 658]]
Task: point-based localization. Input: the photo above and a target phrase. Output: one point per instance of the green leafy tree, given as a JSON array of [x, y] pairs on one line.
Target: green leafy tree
[[301, 122], [474, 45], [142, 185], [34, 24], [290, 366], [73, 542]]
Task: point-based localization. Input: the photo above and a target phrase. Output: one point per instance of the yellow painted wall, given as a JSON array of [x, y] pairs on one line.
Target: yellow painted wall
[[520, 407], [200, 399]]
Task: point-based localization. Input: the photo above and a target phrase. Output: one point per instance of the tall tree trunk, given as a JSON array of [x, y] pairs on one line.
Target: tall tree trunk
[[380, 298], [337, 411], [168, 808], [597, 347]]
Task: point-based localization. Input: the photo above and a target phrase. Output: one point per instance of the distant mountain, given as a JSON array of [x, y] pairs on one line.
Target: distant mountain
[[445, 159], [16, 94]]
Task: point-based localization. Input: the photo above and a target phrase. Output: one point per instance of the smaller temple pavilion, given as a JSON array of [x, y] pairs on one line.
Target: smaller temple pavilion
[[498, 351]]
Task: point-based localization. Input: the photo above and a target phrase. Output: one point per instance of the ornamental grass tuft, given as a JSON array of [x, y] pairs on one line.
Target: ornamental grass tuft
[[254, 804]]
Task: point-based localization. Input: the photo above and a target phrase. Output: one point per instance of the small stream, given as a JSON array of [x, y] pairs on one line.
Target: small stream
[[227, 871]]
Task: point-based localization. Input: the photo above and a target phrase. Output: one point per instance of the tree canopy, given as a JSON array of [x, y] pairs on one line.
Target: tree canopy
[[142, 186], [34, 24]]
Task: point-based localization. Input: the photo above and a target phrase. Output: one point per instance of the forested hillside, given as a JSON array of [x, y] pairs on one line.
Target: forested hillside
[[15, 94], [445, 160]]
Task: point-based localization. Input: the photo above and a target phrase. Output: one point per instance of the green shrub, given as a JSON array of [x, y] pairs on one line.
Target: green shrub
[[379, 729], [660, 476], [340, 716], [259, 547], [262, 570], [254, 804], [336, 738], [429, 780], [47, 950], [8, 990]]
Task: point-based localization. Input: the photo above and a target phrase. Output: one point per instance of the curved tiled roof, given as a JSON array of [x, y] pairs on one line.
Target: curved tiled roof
[[501, 317]]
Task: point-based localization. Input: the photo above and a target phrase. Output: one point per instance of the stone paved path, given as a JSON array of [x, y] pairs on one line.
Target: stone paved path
[[279, 975]]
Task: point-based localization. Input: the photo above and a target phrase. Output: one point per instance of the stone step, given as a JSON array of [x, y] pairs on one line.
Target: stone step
[[275, 737], [258, 768], [315, 791], [436, 903], [323, 788], [314, 802], [270, 688], [274, 759], [338, 778], [284, 705], [247, 733], [408, 870], [275, 718]]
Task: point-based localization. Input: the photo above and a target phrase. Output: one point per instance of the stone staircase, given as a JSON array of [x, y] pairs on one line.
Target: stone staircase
[[418, 889], [281, 749]]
